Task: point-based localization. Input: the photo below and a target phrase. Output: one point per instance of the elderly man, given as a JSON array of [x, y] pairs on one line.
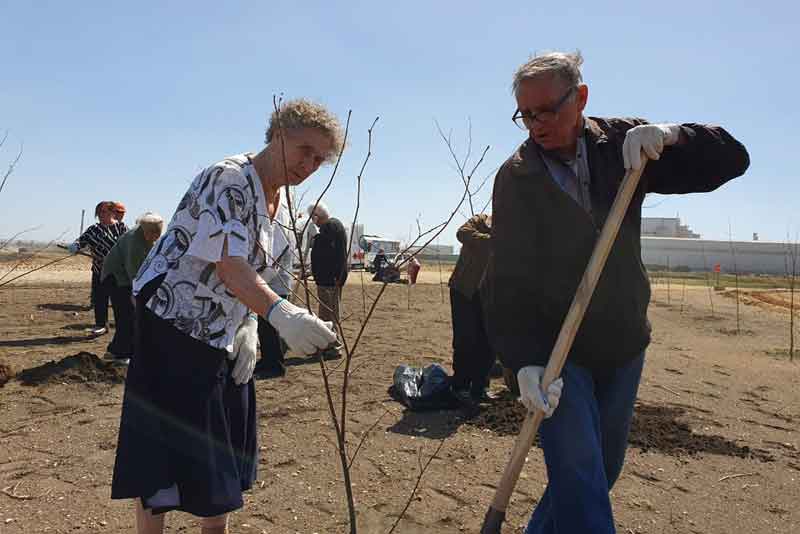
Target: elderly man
[[472, 355], [328, 261], [119, 269], [551, 198]]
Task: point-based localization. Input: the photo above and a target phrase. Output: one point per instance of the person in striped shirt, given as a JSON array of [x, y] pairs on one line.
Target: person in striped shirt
[[100, 237]]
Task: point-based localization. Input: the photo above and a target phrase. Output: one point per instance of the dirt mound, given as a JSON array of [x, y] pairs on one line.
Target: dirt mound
[[656, 428], [5, 373], [78, 368], [503, 416]]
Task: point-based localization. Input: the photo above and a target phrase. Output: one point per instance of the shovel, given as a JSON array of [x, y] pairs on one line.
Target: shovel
[[497, 511]]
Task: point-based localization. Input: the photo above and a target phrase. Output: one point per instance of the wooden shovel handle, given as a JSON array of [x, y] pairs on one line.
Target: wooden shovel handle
[[558, 356]]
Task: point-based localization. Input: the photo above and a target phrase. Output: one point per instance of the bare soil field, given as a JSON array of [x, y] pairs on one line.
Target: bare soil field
[[714, 448]]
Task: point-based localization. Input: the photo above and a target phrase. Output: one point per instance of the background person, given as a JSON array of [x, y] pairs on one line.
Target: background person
[[414, 267], [100, 237], [119, 269], [328, 261], [550, 200], [473, 356], [117, 210], [187, 438], [378, 265]]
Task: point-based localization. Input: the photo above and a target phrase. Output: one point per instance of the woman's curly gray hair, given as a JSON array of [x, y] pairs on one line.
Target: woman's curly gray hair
[[302, 113], [563, 65]]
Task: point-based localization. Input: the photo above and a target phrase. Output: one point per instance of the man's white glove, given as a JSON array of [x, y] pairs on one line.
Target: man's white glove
[[74, 248], [530, 390], [652, 138], [302, 331], [244, 351]]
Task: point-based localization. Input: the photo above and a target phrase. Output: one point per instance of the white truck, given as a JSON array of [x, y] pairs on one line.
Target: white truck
[[364, 247]]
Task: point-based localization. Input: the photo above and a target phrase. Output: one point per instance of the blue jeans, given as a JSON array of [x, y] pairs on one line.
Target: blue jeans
[[584, 446]]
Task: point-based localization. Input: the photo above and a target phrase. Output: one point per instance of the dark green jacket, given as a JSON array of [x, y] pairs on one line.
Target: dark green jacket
[[126, 256], [542, 240]]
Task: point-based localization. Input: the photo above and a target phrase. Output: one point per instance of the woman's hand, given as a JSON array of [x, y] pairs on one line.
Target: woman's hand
[[302, 331], [244, 350]]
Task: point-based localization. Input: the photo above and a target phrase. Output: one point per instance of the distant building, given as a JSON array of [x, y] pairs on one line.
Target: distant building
[[760, 257], [433, 250], [666, 227]]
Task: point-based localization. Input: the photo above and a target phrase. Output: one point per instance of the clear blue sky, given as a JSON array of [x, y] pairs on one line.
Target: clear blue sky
[[128, 100]]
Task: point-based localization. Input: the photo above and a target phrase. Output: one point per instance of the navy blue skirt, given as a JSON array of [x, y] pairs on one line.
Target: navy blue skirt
[[184, 423]]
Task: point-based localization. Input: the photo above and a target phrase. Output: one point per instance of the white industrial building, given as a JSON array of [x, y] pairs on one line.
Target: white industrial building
[[666, 227], [762, 257], [432, 250]]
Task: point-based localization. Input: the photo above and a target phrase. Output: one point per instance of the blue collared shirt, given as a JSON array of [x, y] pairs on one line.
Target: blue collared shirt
[[572, 175]]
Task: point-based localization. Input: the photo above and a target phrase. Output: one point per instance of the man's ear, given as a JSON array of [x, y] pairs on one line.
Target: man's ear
[[582, 96]]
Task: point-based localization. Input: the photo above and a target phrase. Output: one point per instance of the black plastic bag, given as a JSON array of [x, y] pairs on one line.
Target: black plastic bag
[[423, 389]]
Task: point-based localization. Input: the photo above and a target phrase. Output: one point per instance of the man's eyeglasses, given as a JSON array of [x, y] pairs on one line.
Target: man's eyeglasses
[[525, 119]]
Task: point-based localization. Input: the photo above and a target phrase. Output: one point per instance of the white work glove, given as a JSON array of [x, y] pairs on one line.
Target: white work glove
[[244, 351], [303, 332], [652, 138], [530, 390], [73, 248]]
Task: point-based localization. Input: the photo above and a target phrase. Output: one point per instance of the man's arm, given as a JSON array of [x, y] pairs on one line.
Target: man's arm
[[474, 229], [707, 158], [701, 158]]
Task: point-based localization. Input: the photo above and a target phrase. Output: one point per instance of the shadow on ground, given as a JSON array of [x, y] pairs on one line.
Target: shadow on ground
[[61, 306], [39, 341]]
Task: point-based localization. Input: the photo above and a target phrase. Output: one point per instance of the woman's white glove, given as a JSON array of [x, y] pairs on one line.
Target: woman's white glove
[[73, 248], [652, 138], [244, 351], [303, 332], [530, 390]]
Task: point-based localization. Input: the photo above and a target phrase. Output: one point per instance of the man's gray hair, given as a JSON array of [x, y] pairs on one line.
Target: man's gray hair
[[566, 66], [302, 113], [321, 210], [150, 220]]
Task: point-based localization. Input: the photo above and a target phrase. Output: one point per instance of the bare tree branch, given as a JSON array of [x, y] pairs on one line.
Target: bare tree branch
[[416, 485], [13, 237], [11, 167], [30, 257], [364, 437]]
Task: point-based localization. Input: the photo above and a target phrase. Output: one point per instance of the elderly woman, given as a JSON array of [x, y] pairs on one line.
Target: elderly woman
[[100, 238], [119, 269], [187, 438]]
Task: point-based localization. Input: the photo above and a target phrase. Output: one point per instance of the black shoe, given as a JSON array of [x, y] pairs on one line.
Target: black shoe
[[482, 396], [469, 408], [331, 353], [273, 371], [457, 384]]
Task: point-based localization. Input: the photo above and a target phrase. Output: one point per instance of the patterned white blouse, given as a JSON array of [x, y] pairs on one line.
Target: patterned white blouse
[[284, 247], [225, 200]]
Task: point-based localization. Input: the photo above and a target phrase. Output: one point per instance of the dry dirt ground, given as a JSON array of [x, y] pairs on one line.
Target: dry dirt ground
[[715, 445]]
